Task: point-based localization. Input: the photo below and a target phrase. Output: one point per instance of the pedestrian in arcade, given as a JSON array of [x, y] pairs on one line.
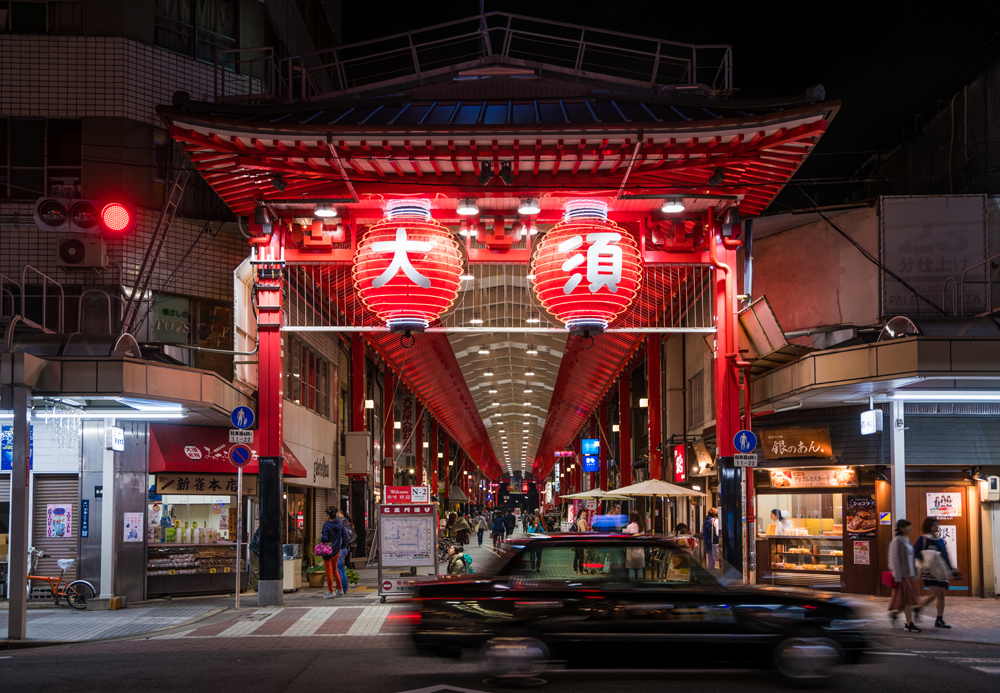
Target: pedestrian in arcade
[[580, 524], [480, 526], [710, 534], [333, 535], [635, 556], [935, 569], [904, 575], [456, 561], [498, 530], [460, 529], [350, 537], [510, 522]]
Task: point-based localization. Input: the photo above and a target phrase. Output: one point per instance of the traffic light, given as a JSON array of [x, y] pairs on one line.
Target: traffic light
[[109, 219]]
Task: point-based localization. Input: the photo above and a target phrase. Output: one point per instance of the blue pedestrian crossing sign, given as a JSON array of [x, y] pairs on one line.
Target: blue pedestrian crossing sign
[[745, 441], [242, 417]]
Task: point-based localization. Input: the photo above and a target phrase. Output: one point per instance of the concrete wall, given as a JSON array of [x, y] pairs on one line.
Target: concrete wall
[[813, 276]]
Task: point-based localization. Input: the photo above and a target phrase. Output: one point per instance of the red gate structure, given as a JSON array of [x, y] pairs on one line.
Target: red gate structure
[[489, 155]]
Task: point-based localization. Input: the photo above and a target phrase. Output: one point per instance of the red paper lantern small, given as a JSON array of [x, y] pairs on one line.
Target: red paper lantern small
[[588, 270], [407, 268]]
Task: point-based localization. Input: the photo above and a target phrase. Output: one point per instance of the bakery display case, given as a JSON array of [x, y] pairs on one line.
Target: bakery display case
[[173, 569], [800, 539], [813, 554]]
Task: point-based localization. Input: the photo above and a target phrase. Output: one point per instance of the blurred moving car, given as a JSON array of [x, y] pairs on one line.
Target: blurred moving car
[[629, 601]]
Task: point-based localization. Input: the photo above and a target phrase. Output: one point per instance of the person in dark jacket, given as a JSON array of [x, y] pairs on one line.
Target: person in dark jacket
[[335, 535], [497, 530], [510, 522]]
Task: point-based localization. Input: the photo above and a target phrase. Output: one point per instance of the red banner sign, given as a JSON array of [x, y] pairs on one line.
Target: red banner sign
[[407, 494], [680, 464]]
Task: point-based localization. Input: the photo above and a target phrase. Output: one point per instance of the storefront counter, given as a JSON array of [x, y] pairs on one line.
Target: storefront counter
[[174, 569]]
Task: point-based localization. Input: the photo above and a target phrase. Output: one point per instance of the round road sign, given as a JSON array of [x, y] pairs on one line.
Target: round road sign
[[242, 417], [386, 585], [240, 455]]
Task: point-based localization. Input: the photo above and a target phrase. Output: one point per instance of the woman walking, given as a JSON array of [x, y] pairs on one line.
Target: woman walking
[[580, 525], [333, 535], [936, 568], [480, 526], [635, 556], [904, 575], [497, 530], [460, 530]]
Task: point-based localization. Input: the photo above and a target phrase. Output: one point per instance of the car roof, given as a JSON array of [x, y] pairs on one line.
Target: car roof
[[590, 537]]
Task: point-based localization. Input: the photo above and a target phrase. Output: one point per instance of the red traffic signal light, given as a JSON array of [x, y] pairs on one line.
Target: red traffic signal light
[[84, 216]]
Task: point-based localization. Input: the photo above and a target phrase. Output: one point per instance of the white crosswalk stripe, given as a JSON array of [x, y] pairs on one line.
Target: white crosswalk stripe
[[310, 623], [370, 621]]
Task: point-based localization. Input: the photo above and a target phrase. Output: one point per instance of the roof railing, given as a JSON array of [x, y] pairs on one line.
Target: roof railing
[[490, 39]]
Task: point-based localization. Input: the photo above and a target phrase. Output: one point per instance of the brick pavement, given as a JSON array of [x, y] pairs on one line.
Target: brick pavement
[[971, 619]]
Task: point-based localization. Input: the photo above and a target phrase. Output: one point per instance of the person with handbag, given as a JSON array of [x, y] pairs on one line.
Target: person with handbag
[[350, 537], [934, 567], [460, 529], [904, 575], [635, 556], [330, 542]]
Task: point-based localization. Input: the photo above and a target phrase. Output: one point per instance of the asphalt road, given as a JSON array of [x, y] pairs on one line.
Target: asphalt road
[[895, 665]]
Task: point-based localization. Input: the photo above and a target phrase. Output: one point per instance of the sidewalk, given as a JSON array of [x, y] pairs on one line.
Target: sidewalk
[[971, 619]]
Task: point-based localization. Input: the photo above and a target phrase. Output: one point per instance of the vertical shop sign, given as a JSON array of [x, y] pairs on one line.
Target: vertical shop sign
[[58, 520], [861, 517], [85, 518], [950, 535]]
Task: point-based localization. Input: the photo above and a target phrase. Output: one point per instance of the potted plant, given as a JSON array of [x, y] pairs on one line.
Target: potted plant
[[352, 576], [316, 573]]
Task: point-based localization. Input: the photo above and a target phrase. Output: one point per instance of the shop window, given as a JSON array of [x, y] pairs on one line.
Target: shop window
[[307, 378], [39, 157], [39, 17], [696, 400], [195, 28]]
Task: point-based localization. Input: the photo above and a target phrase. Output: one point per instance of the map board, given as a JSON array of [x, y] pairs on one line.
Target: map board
[[407, 535]]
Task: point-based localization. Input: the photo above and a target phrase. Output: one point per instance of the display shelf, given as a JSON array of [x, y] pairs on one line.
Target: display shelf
[[806, 554]]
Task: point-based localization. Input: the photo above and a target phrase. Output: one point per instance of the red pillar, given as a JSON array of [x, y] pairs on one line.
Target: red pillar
[[388, 436], [625, 426], [418, 443], [655, 406], [434, 457], [602, 422], [357, 383]]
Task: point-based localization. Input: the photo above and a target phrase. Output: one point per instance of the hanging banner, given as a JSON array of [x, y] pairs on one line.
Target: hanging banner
[[59, 520], [944, 505]]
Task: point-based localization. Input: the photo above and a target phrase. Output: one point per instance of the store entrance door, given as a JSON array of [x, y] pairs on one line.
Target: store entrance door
[[950, 505]]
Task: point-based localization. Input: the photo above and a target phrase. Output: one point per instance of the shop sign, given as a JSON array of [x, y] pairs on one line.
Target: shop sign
[[85, 518], [860, 516], [784, 443], [680, 464], [944, 505], [871, 421], [172, 320], [563, 453], [813, 478], [950, 535], [204, 484], [862, 553], [590, 448], [407, 494], [701, 454]]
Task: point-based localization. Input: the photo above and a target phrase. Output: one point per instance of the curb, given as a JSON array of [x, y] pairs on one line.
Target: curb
[[28, 644], [917, 636]]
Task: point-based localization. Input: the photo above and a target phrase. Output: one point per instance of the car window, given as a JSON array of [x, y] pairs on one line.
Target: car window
[[669, 566], [584, 563]]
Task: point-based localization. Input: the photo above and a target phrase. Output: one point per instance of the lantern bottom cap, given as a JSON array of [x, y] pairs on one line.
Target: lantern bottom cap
[[586, 327], [406, 324]]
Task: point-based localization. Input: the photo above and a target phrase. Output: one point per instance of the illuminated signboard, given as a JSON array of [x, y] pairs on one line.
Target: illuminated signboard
[[591, 448]]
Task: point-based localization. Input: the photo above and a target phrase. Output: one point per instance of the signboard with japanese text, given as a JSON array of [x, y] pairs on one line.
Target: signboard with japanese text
[[59, 520], [786, 443], [927, 240], [407, 494], [407, 535], [204, 484], [7, 448], [860, 517], [680, 464], [944, 505], [950, 535], [813, 478], [862, 553]]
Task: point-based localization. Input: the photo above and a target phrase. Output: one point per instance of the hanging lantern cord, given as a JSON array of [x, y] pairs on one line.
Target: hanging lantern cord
[[588, 344], [407, 340]]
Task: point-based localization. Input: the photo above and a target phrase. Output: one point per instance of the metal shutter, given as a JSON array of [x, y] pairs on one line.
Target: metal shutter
[[56, 489], [5, 490], [324, 499]]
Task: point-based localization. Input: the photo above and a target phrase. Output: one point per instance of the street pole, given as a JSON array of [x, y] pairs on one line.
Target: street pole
[[17, 619], [239, 532]]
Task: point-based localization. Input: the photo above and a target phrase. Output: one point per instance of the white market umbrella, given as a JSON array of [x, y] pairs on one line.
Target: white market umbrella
[[656, 488], [589, 495]]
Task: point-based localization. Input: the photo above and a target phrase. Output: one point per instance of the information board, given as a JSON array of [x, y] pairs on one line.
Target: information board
[[407, 535]]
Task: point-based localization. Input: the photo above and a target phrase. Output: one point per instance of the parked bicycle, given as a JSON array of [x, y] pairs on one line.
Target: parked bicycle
[[76, 593]]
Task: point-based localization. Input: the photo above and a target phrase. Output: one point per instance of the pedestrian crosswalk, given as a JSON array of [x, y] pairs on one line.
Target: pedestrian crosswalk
[[983, 664], [306, 622]]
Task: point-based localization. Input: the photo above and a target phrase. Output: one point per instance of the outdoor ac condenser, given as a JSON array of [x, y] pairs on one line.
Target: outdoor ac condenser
[[358, 450], [81, 251]]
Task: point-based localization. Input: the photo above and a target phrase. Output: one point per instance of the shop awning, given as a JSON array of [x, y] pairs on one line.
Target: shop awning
[[204, 449]]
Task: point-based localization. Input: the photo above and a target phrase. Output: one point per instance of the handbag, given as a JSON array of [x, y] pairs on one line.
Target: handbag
[[888, 581], [323, 549], [930, 565]]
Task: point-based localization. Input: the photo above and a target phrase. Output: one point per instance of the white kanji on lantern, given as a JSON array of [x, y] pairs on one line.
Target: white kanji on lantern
[[401, 261], [604, 262]]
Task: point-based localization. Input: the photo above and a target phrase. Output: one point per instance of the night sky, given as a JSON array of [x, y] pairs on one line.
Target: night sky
[[885, 61]]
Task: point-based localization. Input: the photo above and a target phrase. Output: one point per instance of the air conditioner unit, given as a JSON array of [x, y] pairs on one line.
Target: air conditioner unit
[[81, 251]]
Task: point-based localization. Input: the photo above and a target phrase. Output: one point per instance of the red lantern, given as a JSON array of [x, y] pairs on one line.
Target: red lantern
[[407, 267], [587, 269]]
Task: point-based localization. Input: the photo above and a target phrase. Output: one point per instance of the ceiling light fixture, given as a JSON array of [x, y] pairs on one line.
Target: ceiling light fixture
[[485, 172], [506, 175], [324, 211], [718, 177], [528, 373], [397, 425], [467, 275], [528, 206], [477, 319], [278, 182], [614, 428], [532, 350], [528, 392], [533, 318], [493, 389], [468, 206], [672, 206]]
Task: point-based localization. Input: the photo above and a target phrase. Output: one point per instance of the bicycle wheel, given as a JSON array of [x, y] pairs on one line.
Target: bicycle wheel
[[78, 594]]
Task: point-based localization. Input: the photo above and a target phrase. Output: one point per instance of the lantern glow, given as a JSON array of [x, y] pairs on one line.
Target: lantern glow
[[588, 270], [407, 267]]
